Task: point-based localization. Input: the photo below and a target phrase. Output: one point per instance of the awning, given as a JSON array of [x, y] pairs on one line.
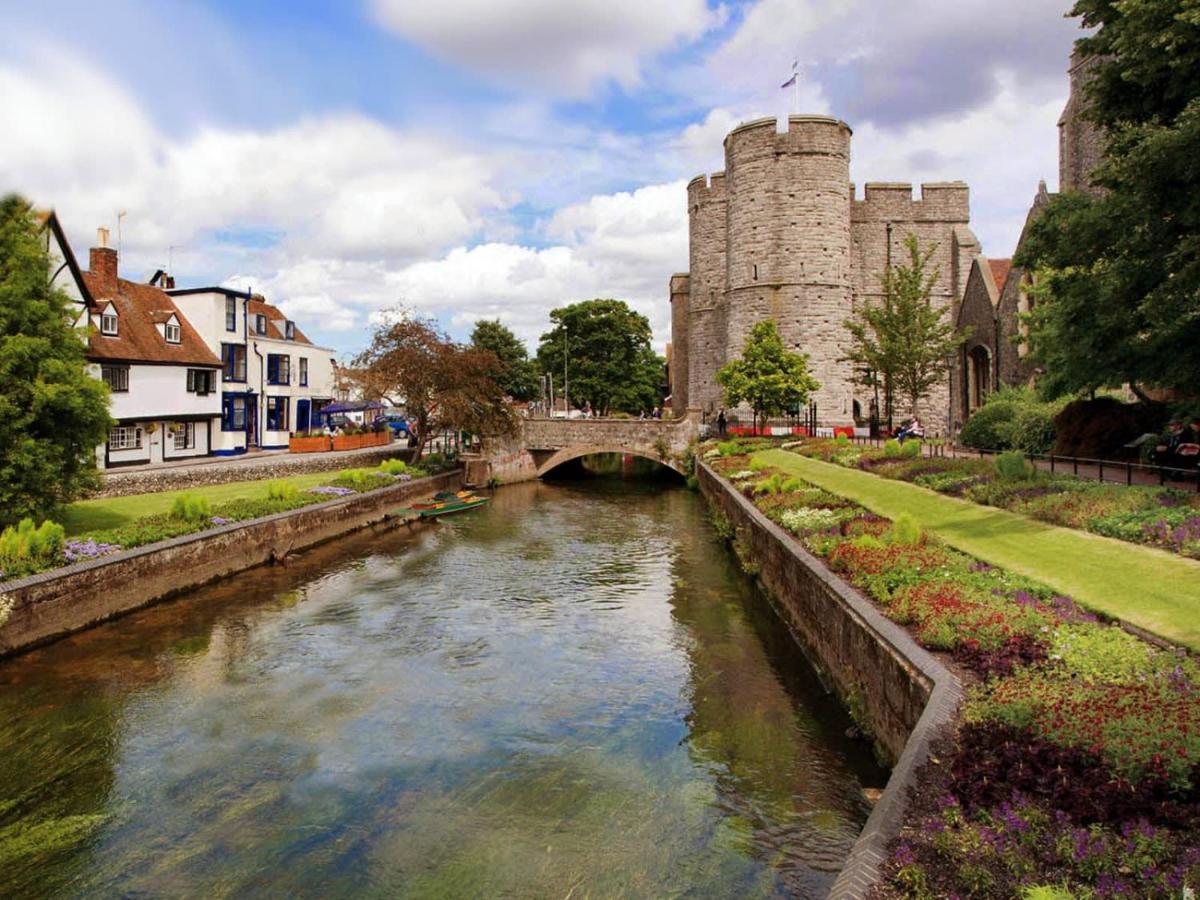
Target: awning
[[362, 406]]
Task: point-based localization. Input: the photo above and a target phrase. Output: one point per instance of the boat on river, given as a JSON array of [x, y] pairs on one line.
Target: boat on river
[[443, 504]]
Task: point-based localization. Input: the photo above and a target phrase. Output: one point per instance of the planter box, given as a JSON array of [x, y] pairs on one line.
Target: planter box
[[318, 444], [358, 441]]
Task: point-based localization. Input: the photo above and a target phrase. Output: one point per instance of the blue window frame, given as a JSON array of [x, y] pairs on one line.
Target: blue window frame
[[233, 412], [277, 413], [233, 359], [279, 368]]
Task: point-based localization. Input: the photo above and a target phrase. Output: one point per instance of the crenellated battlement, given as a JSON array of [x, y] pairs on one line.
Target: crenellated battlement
[[804, 135], [706, 188], [892, 201]]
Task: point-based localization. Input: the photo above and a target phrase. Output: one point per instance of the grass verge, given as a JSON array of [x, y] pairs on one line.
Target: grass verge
[[1149, 588]]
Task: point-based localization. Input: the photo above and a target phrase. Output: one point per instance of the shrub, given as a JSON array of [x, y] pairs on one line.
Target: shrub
[[281, 490], [893, 449], [393, 467], [362, 479], [842, 441], [1012, 466], [758, 465], [25, 549], [989, 427], [727, 448], [1032, 429], [906, 530], [191, 508]]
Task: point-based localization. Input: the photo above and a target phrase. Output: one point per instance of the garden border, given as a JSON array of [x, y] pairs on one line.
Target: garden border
[[51, 605], [904, 708]]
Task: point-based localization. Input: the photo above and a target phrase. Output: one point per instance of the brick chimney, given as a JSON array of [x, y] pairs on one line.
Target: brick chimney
[[102, 262]]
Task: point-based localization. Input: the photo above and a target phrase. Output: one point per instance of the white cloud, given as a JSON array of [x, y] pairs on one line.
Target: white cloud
[[553, 47], [339, 185]]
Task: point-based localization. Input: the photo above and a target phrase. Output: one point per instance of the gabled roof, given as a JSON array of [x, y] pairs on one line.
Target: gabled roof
[[258, 306], [140, 308], [1000, 269], [49, 220]]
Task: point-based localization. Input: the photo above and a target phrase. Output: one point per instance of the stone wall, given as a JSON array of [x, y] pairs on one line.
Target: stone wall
[[275, 465], [53, 604], [899, 692], [680, 293]]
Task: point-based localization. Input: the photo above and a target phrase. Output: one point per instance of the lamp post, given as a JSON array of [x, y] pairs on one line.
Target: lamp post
[[566, 392]]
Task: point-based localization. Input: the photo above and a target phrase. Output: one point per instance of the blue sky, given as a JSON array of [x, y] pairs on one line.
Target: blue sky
[[475, 158]]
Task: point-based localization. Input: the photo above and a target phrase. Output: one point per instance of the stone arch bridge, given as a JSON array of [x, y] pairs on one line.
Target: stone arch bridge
[[544, 444]]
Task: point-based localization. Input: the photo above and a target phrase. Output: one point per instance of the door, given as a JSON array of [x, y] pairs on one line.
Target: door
[[251, 421], [302, 408]]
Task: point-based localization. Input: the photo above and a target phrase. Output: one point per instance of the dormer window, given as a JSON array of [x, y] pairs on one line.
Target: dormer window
[[260, 324], [108, 322], [173, 332], [289, 330]]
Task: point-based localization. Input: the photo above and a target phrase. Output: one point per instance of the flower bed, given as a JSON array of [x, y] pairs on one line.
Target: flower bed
[[1076, 766], [1163, 517]]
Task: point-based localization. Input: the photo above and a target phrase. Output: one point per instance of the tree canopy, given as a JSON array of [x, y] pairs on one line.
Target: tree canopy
[[610, 364], [53, 414], [770, 379], [518, 375], [1117, 295], [904, 340], [443, 385]]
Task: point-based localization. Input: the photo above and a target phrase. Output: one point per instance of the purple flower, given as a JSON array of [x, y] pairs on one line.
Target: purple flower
[[76, 550], [904, 855], [218, 520], [332, 491]]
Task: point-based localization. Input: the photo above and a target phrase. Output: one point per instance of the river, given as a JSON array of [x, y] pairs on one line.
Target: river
[[572, 692]]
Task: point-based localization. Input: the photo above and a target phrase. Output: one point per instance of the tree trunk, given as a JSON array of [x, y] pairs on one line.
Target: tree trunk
[[1139, 393]]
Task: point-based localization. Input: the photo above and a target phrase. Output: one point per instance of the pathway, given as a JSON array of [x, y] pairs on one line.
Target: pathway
[[1149, 588]]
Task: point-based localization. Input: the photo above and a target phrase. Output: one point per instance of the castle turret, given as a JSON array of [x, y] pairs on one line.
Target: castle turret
[[789, 242], [680, 297], [707, 238]]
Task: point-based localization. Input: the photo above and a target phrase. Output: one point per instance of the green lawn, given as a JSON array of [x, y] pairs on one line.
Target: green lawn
[[1150, 588], [113, 512]]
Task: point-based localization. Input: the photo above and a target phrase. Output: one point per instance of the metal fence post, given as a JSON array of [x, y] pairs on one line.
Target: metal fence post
[[1101, 479], [1128, 473]]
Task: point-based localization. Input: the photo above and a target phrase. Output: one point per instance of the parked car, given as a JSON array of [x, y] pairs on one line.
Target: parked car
[[396, 422]]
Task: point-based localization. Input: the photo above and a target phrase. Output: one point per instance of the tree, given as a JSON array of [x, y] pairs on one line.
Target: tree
[[610, 364], [443, 385], [53, 414], [518, 375], [904, 339], [1118, 274], [767, 377]]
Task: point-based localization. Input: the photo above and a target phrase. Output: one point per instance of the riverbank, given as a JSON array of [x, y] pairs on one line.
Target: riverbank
[[51, 604], [1076, 762]]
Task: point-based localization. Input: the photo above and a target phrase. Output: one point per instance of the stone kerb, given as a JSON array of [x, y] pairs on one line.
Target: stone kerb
[[53, 604], [902, 692]]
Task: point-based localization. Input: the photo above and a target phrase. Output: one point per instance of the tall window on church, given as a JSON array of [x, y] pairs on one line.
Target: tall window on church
[[756, 271]]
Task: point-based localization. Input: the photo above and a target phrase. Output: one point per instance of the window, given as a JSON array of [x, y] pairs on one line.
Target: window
[[174, 333], [199, 381], [125, 437], [234, 358], [260, 323], [231, 314], [108, 322], [289, 330], [185, 435], [116, 377], [279, 369], [303, 371], [233, 412], [277, 414]]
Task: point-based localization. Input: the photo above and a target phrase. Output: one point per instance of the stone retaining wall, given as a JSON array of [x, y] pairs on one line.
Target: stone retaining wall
[[53, 604], [896, 689], [280, 465]]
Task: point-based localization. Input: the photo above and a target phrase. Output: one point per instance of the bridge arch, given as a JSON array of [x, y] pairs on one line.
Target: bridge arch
[[551, 460]]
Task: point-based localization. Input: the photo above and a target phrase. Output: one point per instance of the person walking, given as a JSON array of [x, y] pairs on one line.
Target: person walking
[[722, 422]]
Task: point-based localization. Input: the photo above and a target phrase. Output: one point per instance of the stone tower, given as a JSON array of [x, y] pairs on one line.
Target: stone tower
[[1080, 141], [779, 235]]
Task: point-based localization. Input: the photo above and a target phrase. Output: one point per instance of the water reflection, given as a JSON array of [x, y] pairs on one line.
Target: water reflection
[[571, 691]]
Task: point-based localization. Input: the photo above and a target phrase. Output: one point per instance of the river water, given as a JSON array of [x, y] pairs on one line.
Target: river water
[[570, 693]]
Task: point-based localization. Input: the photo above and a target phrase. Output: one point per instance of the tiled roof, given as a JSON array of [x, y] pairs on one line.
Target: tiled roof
[[260, 307], [1000, 269], [139, 307]]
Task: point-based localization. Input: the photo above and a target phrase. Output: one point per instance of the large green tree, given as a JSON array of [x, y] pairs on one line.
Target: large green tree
[[610, 363], [769, 378], [1117, 298], [903, 339], [518, 377], [53, 414]]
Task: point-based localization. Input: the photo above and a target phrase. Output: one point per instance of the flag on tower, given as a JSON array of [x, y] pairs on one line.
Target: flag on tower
[[795, 74]]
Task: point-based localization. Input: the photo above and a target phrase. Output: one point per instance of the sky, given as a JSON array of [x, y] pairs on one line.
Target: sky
[[476, 159]]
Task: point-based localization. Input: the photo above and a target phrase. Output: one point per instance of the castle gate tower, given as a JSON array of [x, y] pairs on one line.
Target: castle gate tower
[[707, 239], [789, 242]]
